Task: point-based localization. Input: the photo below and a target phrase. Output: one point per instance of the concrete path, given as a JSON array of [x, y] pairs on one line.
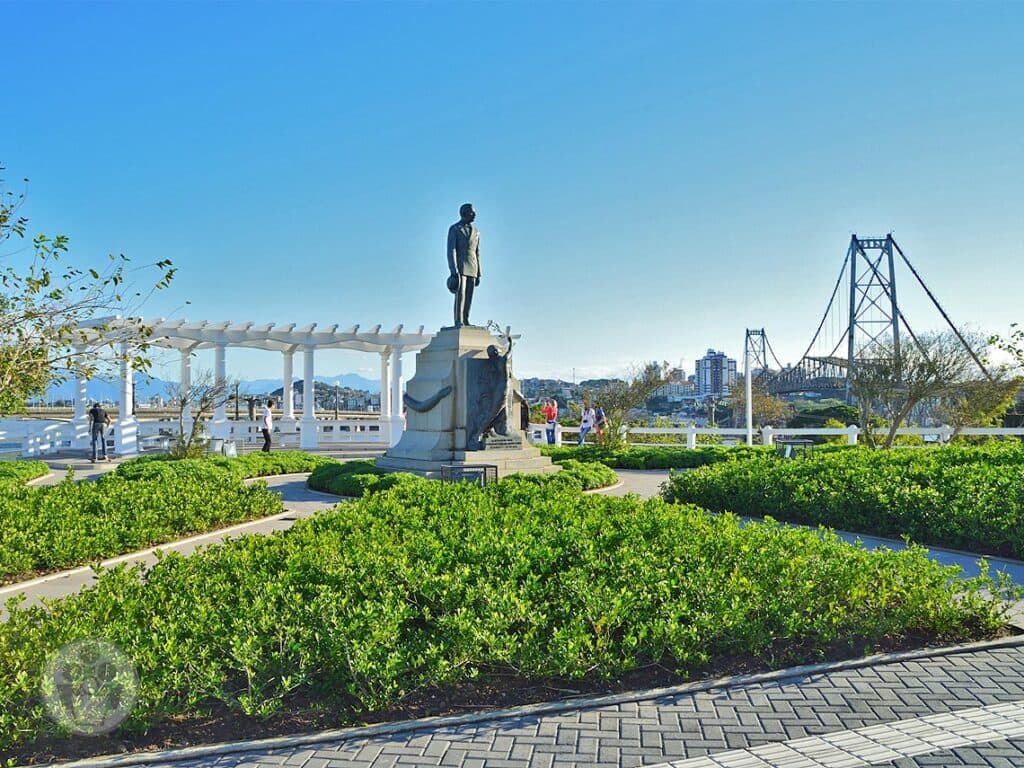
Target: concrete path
[[931, 708]]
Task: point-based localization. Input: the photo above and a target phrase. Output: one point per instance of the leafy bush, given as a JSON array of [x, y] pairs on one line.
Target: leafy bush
[[360, 477], [427, 584], [352, 478], [74, 523], [249, 465], [590, 474], [639, 457], [964, 497], [20, 472]]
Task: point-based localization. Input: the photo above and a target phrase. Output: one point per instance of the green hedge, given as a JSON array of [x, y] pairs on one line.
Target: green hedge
[[639, 457], [357, 478], [75, 523], [963, 497], [248, 465], [20, 472], [428, 584], [352, 478]]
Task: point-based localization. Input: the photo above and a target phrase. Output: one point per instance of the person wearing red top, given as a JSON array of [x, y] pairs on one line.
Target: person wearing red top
[[550, 411]]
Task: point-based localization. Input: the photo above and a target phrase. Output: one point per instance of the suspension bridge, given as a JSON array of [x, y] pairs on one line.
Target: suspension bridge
[[862, 313]]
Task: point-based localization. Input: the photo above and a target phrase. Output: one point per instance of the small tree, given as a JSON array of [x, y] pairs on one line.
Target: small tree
[[767, 409], [935, 367], [46, 299], [204, 395], [618, 398]]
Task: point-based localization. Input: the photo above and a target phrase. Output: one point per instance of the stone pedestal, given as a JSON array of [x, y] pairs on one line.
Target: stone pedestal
[[441, 435]]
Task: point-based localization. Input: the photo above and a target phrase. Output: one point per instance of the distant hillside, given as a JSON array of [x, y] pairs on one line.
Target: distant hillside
[[147, 387]]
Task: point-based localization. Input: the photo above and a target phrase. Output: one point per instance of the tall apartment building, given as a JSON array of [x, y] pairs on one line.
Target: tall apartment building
[[716, 374]]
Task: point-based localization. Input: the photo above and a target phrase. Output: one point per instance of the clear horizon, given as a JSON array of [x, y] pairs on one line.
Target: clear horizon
[[651, 179]]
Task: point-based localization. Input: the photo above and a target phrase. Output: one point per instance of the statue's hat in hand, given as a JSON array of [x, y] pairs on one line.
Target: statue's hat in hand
[[453, 283]]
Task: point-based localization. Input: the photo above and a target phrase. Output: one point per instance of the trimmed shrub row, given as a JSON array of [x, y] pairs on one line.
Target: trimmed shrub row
[[359, 477], [249, 465], [963, 497], [640, 457], [426, 585], [20, 472], [76, 523]]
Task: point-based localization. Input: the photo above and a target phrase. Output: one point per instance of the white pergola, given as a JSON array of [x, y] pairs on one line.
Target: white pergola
[[190, 336]]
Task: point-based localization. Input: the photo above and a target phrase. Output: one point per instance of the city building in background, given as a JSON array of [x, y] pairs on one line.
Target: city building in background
[[716, 374]]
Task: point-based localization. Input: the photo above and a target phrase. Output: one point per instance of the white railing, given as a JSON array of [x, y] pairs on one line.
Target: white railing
[[768, 435]]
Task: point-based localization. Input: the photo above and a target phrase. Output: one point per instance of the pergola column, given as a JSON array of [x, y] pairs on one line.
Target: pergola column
[[81, 420], [385, 395], [126, 428], [397, 424], [220, 427], [288, 391], [185, 391], [308, 439]]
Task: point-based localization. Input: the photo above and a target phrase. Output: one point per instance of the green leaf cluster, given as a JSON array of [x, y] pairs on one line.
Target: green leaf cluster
[[966, 497], [640, 457], [426, 584], [13, 473], [50, 528], [248, 465]]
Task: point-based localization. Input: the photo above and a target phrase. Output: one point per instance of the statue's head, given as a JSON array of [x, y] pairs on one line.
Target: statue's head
[[467, 213], [492, 351]]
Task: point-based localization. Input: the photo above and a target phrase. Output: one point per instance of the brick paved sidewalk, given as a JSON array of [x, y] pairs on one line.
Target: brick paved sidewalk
[[940, 708]]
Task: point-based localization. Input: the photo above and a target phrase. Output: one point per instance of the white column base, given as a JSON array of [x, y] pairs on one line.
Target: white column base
[[126, 437], [220, 429], [396, 426], [80, 437], [309, 437]]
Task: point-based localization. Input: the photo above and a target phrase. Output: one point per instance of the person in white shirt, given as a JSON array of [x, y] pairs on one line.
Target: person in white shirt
[[268, 425], [586, 423]]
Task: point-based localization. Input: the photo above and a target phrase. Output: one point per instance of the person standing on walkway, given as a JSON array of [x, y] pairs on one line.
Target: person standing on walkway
[[99, 420], [586, 423], [463, 262], [550, 411], [600, 423], [268, 426]]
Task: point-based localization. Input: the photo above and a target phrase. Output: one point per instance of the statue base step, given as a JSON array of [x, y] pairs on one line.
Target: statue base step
[[508, 462]]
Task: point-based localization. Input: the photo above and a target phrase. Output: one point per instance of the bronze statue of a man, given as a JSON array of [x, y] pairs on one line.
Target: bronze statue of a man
[[463, 262]]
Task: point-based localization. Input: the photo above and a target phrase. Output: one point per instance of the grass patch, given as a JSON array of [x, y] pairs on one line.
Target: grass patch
[[427, 586], [968, 498]]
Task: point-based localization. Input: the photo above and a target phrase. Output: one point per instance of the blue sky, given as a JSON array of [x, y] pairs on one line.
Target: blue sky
[[650, 178]]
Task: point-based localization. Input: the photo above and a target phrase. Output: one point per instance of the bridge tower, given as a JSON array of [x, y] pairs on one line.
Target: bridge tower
[[755, 349], [874, 310]]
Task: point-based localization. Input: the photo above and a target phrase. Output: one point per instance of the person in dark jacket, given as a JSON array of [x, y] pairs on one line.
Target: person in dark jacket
[[99, 420]]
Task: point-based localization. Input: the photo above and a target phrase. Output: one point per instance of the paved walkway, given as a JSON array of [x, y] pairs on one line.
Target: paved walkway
[[925, 709]]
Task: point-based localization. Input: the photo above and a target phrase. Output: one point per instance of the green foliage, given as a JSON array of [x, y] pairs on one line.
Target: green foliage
[[13, 473], [361, 477], [352, 478], [964, 497], [75, 523], [428, 584], [640, 457], [213, 465], [816, 416]]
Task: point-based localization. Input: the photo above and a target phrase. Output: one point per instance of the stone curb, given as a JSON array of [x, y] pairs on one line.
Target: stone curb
[[37, 480], [606, 487], [546, 708]]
